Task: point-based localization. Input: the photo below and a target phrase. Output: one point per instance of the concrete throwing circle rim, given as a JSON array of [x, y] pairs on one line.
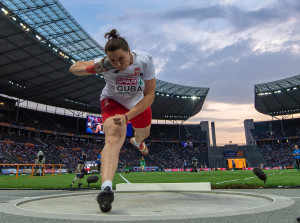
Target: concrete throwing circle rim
[[16, 207]]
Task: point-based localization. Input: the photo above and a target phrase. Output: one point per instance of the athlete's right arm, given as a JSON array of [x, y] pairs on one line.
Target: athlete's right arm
[[80, 68]]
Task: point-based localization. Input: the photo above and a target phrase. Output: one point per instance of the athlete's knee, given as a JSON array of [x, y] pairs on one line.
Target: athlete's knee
[[114, 137]]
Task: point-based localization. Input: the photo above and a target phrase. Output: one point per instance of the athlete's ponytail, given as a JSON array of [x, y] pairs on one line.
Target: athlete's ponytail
[[115, 41]]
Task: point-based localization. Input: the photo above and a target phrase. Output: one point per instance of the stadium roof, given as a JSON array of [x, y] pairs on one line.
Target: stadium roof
[[39, 42], [51, 20], [281, 97]]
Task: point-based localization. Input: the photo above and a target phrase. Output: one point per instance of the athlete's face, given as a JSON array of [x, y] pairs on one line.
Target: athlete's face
[[120, 59]]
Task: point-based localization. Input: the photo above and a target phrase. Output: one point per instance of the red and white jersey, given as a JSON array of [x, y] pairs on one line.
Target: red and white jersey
[[127, 86]]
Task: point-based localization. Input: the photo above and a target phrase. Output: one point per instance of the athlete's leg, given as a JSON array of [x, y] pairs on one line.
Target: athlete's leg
[[41, 170], [35, 170], [79, 168], [138, 140], [35, 167], [114, 139], [141, 125], [141, 133]]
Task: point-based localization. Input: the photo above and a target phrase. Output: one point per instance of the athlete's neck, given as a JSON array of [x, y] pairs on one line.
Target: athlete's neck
[[131, 58]]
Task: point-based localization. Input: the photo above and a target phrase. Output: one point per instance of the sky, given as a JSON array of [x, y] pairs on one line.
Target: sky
[[225, 45]]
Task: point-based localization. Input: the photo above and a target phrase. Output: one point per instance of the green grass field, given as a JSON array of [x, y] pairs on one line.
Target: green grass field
[[218, 179]]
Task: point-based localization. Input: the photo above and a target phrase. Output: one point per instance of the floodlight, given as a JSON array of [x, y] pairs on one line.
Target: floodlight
[[5, 11]]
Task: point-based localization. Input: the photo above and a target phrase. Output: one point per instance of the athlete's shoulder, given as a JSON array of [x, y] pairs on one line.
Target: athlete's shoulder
[[142, 55], [145, 59]]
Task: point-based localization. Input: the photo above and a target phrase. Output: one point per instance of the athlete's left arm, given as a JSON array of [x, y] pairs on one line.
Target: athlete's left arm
[[149, 94]]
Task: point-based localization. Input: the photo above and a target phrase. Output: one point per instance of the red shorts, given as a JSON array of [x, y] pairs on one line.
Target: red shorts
[[110, 107]]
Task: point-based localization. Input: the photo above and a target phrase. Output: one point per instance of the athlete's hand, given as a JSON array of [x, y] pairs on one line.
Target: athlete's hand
[[119, 119]]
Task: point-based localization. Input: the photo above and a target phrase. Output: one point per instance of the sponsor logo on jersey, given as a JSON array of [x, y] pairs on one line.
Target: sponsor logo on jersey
[[128, 85], [126, 81], [140, 82]]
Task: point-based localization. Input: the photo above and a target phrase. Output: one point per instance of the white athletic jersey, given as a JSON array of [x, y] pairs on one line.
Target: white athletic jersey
[[127, 86]]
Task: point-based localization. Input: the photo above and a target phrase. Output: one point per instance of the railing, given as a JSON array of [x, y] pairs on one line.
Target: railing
[[33, 165]]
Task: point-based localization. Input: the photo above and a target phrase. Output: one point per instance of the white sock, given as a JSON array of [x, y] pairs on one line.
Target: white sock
[[106, 183], [135, 143]]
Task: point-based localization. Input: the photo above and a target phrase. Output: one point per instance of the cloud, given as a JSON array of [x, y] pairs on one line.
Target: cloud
[[209, 109], [217, 119], [278, 11], [231, 129], [228, 118], [225, 47], [199, 14], [231, 72]]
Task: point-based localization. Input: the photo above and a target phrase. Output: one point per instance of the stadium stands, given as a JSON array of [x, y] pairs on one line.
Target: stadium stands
[[178, 132], [278, 155], [277, 129], [276, 138], [163, 155], [169, 144]]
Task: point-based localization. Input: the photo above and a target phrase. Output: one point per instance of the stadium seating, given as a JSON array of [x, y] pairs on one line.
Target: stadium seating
[[275, 140], [169, 144]]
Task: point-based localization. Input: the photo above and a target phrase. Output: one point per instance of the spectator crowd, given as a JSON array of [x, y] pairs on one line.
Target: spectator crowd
[[66, 151]]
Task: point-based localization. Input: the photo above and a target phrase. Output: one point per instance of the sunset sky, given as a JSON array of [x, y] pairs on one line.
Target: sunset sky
[[226, 45]]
